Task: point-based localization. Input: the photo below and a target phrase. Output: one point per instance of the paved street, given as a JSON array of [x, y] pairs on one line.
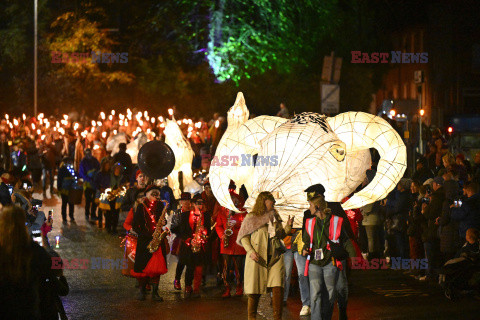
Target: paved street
[[106, 294]]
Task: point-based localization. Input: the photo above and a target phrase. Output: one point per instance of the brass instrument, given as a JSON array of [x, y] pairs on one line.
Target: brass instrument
[[199, 237], [110, 195], [158, 234], [228, 231]]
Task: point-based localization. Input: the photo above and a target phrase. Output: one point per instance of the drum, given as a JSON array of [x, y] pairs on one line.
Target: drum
[[129, 253]]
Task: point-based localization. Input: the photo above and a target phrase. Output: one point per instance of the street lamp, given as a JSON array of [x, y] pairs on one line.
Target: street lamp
[[420, 142]]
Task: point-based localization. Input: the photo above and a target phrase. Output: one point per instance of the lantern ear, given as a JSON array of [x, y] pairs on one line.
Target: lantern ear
[[233, 158], [360, 131]]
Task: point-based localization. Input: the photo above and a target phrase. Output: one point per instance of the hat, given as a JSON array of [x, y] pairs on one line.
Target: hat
[[438, 180], [197, 199], [138, 173], [314, 191], [152, 187], [185, 196]]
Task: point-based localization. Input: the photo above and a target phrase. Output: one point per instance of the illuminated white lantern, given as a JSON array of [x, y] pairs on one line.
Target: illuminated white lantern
[[183, 156], [306, 150], [134, 146], [113, 142]]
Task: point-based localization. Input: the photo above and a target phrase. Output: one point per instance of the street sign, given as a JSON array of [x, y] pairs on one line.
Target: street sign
[[330, 98], [327, 68]]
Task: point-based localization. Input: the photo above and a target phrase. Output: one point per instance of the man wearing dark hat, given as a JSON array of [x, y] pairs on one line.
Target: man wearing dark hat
[[180, 217], [89, 166]]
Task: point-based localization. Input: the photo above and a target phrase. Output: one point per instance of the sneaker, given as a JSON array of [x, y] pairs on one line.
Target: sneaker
[[365, 256], [305, 311]]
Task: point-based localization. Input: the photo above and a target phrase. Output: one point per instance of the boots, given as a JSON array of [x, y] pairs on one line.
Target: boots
[[226, 293], [239, 290], [142, 292], [253, 300], [155, 296], [277, 298], [177, 285]]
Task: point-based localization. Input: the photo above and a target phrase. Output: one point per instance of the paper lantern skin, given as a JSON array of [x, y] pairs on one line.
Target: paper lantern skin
[[309, 149], [183, 156]]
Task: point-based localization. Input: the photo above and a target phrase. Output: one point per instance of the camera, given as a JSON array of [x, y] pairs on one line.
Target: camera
[[10, 189], [457, 203]]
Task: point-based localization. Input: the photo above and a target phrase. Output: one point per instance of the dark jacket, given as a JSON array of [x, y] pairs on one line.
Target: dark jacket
[[322, 242], [5, 197], [102, 180], [399, 210], [468, 215], [130, 198], [34, 298], [447, 230], [65, 179], [144, 227], [431, 213], [125, 160], [88, 168]]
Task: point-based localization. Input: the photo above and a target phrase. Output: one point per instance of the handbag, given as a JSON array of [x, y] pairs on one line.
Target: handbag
[[338, 251]]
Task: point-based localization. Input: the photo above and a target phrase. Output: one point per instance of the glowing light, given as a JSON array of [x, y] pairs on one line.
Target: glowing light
[[190, 129], [92, 130], [422, 112], [189, 135], [450, 130], [217, 123], [152, 120], [39, 132], [47, 125], [179, 122], [61, 130], [33, 126], [24, 117], [113, 112], [7, 116], [145, 114], [96, 147], [140, 122], [114, 132], [104, 134], [94, 123], [102, 115], [160, 118], [120, 122], [75, 126], [121, 116], [42, 137], [170, 112], [15, 122], [99, 123], [110, 117], [393, 112]]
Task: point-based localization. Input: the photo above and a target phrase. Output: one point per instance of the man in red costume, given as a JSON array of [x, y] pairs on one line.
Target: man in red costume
[[149, 266], [230, 250]]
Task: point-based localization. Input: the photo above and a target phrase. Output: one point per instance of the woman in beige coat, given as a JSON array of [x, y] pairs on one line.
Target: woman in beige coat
[[260, 235]]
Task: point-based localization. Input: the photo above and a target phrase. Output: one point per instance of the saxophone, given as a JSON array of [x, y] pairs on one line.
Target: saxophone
[[158, 234], [199, 237], [228, 231]]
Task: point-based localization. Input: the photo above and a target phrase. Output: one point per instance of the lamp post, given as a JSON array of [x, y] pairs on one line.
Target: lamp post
[[35, 13], [420, 141]]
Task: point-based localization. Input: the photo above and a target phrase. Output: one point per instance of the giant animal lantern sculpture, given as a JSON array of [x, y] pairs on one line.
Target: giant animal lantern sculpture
[[183, 156], [293, 154]]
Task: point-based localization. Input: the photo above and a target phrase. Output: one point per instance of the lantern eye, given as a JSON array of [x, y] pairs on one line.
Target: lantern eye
[[338, 152]]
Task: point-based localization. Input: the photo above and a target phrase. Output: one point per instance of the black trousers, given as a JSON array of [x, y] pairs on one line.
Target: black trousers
[[90, 205], [71, 207], [179, 270], [111, 217]]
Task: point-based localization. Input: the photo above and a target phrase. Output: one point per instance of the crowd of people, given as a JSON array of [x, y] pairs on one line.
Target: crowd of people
[[435, 215]]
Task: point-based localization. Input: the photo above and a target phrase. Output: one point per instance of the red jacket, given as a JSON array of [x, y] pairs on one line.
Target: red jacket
[[233, 248], [128, 221]]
